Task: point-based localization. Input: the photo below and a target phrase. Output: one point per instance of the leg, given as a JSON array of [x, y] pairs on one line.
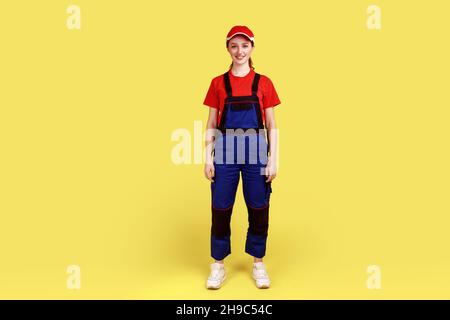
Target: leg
[[257, 195], [223, 192]]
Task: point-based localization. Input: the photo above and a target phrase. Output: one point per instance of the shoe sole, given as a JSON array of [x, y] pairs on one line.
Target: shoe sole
[[218, 286]]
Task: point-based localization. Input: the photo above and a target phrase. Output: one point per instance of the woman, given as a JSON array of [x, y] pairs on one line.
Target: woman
[[241, 116]]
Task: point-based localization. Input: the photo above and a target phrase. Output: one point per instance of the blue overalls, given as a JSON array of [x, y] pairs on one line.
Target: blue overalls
[[240, 146]]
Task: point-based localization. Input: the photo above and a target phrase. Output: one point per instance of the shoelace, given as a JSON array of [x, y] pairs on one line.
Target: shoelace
[[260, 273], [215, 274]]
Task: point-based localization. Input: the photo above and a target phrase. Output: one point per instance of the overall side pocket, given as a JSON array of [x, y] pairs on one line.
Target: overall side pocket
[[268, 190]]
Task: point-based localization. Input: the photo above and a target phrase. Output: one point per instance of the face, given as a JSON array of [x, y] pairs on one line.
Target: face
[[240, 49]]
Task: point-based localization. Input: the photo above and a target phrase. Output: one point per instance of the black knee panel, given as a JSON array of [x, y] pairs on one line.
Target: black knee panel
[[221, 222], [258, 220]]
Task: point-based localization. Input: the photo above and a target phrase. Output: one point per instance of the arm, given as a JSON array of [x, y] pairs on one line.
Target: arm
[[211, 125], [271, 126]]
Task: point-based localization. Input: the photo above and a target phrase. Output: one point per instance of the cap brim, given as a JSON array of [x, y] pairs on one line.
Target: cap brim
[[241, 33]]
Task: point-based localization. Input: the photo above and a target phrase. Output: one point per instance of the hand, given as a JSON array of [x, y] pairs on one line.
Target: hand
[[209, 171], [271, 170]]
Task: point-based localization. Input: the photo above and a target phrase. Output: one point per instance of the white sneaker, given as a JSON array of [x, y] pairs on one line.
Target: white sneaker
[[260, 275], [217, 276]]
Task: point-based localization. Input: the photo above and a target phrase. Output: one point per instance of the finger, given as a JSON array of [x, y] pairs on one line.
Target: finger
[[207, 176]]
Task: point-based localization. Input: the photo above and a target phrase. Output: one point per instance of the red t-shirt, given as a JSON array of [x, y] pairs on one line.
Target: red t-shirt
[[241, 86]]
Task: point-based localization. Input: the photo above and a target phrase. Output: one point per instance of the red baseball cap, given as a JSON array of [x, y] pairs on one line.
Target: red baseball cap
[[241, 30]]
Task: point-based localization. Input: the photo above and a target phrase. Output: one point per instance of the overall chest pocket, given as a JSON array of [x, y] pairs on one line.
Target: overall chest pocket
[[242, 115], [238, 106]]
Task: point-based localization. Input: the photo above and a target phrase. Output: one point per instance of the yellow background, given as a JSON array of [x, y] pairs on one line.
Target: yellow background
[[86, 176]]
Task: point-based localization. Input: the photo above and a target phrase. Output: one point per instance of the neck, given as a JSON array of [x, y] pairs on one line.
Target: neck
[[240, 70]]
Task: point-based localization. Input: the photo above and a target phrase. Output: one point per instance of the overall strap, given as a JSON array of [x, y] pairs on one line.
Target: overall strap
[[255, 84], [226, 79]]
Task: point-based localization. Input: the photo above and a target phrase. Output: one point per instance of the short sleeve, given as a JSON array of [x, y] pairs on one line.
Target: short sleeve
[[211, 98], [270, 96]]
